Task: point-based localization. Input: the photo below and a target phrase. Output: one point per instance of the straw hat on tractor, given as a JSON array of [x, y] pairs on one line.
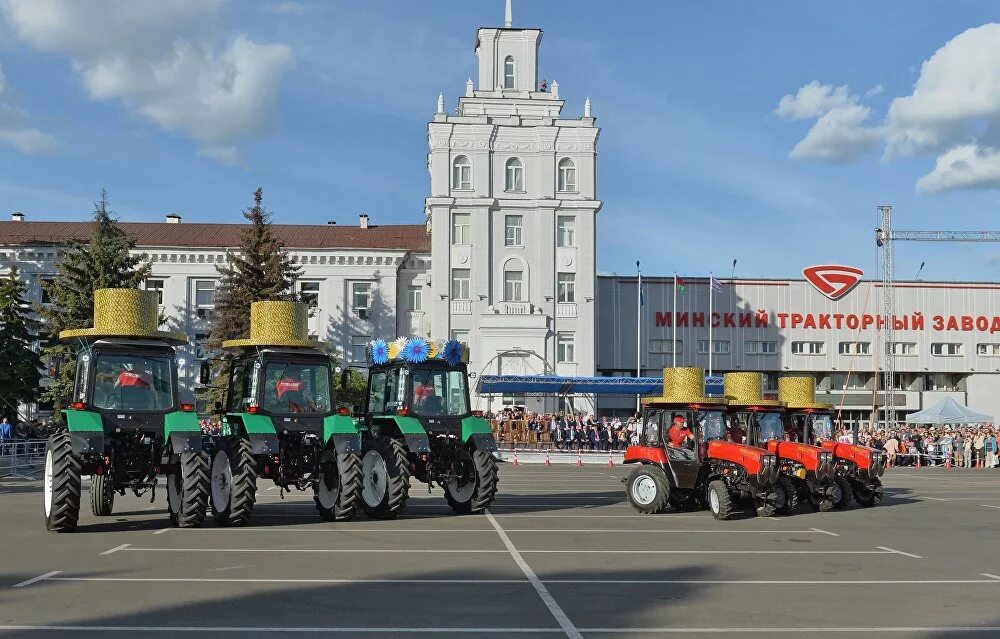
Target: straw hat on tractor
[[276, 323], [125, 312], [800, 393], [684, 386], [746, 389]]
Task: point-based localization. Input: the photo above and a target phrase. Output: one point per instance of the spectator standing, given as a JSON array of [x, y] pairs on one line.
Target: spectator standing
[[968, 450], [958, 444], [990, 444], [6, 431], [891, 448], [979, 443]]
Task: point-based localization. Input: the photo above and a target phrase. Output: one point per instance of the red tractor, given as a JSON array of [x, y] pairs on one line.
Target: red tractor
[[685, 458], [860, 467], [806, 471]]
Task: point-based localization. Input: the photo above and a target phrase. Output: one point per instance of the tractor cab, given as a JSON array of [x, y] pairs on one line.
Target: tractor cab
[[434, 392], [130, 382], [292, 386]]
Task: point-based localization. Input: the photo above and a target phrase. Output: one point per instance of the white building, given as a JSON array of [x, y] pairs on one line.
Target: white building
[[505, 261]]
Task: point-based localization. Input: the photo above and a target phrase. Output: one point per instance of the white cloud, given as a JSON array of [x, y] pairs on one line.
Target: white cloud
[[875, 90], [159, 59], [838, 135], [964, 167], [813, 100], [15, 130]]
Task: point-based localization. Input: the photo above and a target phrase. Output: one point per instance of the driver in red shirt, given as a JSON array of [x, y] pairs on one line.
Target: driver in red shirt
[[291, 388], [679, 433], [131, 378]]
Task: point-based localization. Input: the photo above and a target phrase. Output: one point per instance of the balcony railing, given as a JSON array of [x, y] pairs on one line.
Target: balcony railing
[[461, 307], [565, 310]]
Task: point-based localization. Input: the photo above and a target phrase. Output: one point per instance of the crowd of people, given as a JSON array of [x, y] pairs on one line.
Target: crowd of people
[[960, 446], [564, 430]]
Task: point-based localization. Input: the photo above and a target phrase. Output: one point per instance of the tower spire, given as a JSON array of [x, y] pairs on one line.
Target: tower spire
[[507, 20]]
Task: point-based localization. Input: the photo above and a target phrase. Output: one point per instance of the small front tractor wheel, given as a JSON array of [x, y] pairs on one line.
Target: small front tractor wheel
[[868, 494], [846, 494], [187, 490], [385, 478], [648, 489], [772, 503], [474, 491], [786, 486], [102, 495], [62, 485], [337, 492], [720, 501], [825, 501], [234, 482]]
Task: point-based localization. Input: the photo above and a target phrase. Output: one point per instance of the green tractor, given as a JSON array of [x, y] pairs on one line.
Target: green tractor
[[279, 421], [125, 425], [418, 423]]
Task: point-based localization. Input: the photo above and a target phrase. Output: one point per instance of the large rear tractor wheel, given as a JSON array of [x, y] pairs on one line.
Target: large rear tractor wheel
[[868, 494], [720, 501], [846, 494], [385, 478], [339, 488], [62, 485], [187, 491], [786, 486], [102, 495], [234, 482], [648, 489], [474, 490]]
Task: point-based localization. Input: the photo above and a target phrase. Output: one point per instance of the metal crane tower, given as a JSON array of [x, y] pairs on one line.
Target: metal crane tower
[[884, 238]]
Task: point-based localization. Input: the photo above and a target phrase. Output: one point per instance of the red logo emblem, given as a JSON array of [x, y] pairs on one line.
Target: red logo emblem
[[833, 280]]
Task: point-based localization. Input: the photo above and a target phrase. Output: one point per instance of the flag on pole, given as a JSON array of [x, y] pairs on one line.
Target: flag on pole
[[680, 284], [642, 297], [716, 284]]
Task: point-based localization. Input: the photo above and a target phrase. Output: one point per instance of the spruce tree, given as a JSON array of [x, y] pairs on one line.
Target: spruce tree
[[19, 363], [106, 261], [259, 270]]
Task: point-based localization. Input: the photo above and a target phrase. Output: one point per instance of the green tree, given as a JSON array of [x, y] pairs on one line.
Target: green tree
[[19, 363], [106, 261], [259, 270]]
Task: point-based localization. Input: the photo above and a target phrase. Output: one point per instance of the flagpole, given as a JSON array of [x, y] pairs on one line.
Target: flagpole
[[673, 322], [711, 296], [638, 332]]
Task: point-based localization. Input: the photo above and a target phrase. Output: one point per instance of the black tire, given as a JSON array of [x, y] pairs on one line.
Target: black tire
[[720, 502], [187, 491], [339, 488], [61, 485], [821, 503], [233, 495], [384, 462], [648, 489], [846, 494], [484, 488], [102, 495], [868, 494], [771, 503], [786, 486]]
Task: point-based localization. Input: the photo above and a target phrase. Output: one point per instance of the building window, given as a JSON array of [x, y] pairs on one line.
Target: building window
[[461, 176], [508, 72], [664, 346], [359, 345], [512, 400], [414, 298], [944, 382], [512, 230], [906, 349], [988, 350], [361, 298], [151, 285], [808, 348], [460, 284], [309, 293], [719, 346], [946, 349], [513, 285], [565, 230], [567, 176], [566, 287], [565, 348], [204, 297], [514, 176], [461, 336], [754, 347], [853, 381], [461, 228], [855, 348], [43, 293], [201, 350]]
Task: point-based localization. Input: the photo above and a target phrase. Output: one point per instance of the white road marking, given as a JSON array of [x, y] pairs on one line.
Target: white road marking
[[543, 592], [163, 530], [900, 552], [127, 547], [457, 630], [988, 506], [775, 582], [825, 532], [286, 529], [116, 549], [602, 551], [291, 581], [944, 630], [991, 576], [666, 530], [926, 497], [25, 584]]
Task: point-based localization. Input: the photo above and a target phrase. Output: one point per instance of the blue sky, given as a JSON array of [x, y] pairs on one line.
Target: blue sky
[[188, 106]]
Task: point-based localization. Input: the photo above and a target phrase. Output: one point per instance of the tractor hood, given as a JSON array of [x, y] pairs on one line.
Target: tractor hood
[[865, 458], [812, 458], [756, 461]]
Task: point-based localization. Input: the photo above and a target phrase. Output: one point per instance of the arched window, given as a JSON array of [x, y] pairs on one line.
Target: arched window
[[514, 175], [567, 175], [461, 176], [508, 73], [513, 283]]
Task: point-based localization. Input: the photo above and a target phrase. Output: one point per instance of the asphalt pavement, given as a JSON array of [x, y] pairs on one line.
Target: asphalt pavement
[[560, 554]]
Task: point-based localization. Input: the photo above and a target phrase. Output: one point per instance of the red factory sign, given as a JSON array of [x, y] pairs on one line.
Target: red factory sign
[[827, 321], [833, 280]]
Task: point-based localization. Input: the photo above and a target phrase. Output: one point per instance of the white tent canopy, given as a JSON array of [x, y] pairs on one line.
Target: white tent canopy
[[948, 411]]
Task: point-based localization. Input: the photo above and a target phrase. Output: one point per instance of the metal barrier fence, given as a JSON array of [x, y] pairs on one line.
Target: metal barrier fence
[[22, 459]]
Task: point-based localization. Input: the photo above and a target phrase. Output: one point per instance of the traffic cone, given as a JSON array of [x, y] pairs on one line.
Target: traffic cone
[[516, 463], [579, 458], [548, 462], [947, 460], [918, 459], [611, 462]]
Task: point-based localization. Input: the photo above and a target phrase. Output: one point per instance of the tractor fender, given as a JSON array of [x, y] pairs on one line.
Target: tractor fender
[[257, 429], [646, 455], [185, 442], [417, 443], [345, 443], [87, 442], [484, 442], [341, 432], [409, 428]]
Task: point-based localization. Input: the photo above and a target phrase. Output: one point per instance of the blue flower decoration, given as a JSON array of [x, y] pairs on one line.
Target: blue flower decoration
[[380, 352], [415, 351], [453, 352]]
